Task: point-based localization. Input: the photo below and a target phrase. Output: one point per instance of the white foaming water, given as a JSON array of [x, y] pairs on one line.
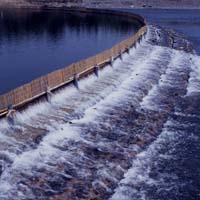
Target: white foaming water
[[138, 178], [38, 157], [178, 66], [128, 88], [194, 80], [46, 149]]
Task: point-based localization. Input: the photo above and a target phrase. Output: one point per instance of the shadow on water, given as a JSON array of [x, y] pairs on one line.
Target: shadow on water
[[34, 43]]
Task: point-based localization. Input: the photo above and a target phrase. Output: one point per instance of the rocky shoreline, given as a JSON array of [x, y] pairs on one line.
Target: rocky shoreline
[[166, 4]]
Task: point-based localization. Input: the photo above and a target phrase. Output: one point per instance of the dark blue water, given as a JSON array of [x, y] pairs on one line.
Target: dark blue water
[[34, 43]]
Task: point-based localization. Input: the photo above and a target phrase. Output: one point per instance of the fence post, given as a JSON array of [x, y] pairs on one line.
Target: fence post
[[128, 50], [11, 114], [96, 70], [49, 94], [121, 55], [139, 40], [75, 81], [135, 45], [111, 61], [145, 34]]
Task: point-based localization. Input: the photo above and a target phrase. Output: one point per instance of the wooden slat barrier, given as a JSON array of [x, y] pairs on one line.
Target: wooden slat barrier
[[38, 87]]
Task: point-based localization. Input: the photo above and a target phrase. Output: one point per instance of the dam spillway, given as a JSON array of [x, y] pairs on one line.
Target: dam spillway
[[113, 137]]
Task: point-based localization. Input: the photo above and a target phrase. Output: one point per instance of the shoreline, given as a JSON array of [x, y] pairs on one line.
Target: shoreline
[[100, 8], [63, 7]]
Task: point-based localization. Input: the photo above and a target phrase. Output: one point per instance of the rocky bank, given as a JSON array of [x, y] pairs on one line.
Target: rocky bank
[[102, 3]]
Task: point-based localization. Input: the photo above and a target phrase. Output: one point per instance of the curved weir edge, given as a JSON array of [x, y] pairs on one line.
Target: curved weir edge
[[44, 85]]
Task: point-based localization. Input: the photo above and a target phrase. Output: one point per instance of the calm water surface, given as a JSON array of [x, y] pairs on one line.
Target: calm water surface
[[34, 43]]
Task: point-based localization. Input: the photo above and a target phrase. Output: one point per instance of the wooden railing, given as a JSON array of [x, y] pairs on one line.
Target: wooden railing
[[36, 88]]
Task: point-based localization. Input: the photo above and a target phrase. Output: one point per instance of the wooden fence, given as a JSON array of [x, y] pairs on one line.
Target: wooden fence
[[36, 88]]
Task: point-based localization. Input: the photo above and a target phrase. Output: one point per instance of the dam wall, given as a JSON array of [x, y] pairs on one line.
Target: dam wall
[[44, 85]]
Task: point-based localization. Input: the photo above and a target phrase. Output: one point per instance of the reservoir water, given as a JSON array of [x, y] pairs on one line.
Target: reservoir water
[[34, 43]]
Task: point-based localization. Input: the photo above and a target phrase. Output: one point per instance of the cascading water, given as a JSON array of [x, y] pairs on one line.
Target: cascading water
[[125, 135]]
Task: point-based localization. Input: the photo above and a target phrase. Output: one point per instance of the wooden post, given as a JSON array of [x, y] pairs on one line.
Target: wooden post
[[96, 70], [75, 81], [11, 114], [144, 35], [48, 94], [111, 61], [128, 50], [121, 55], [139, 40]]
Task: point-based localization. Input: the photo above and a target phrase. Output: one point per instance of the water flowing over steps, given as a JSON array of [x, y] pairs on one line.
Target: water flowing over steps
[[81, 145]]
